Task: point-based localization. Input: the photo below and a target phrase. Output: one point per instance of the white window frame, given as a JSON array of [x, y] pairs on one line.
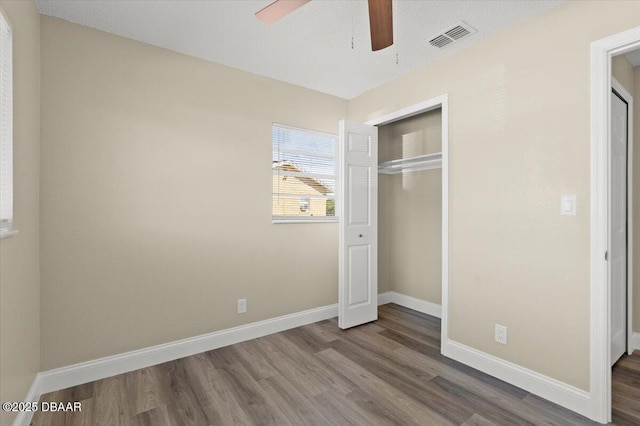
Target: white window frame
[[305, 203], [6, 130], [309, 219]]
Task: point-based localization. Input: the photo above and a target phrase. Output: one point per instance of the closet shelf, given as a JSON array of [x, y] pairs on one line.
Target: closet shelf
[[411, 164]]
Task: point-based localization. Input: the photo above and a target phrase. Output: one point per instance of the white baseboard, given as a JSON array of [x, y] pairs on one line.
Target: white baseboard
[[419, 305], [635, 342], [48, 381], [410, 302], [553, 390], [73, 375], [384, 298], [77, 374]]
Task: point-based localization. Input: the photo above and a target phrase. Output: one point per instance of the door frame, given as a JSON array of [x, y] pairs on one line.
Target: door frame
[[438, 102], [628, 98], [602, 52]]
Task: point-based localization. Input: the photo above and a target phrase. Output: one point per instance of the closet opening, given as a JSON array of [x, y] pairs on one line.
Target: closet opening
[[413, 205], [410, 211], [410, 177]]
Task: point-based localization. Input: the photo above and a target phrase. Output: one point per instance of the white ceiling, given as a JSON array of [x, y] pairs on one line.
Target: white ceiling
[[311, 47]]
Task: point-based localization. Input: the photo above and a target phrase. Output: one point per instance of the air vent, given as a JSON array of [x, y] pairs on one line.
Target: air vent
[[450, 35], [457, 32], [440, 41]]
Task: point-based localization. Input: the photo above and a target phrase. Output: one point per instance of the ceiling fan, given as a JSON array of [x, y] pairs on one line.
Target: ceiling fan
[[380, 18]]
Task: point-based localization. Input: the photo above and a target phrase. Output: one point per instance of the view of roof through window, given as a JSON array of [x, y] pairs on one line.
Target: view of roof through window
[[304, 168]]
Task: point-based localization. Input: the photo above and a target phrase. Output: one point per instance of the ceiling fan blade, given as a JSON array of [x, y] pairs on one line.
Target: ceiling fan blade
[[278, 9], [381, 24]]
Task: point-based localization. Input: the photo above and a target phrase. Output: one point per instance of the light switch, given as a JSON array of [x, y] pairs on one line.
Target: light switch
[[568, 205]]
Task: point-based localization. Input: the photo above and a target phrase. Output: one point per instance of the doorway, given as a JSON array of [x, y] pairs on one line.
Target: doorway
[[347, 280], [602, 52], [621, 213]]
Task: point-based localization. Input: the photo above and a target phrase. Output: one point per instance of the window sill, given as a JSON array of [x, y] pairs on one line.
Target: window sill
[[282, 221], [6, 233]]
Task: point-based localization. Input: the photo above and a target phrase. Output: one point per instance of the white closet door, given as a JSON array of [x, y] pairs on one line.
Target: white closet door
[[618, 252], [358, 200]]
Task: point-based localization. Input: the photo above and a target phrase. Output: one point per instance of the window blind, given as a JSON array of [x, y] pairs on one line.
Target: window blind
[[6, 126], [304, 174]]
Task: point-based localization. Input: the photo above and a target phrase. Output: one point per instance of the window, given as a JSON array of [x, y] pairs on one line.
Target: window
[[304, 203], [304, 175], [6, 128]]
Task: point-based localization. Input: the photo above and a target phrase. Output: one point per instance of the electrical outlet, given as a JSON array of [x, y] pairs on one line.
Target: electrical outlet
[[242, 306], [501, 334]]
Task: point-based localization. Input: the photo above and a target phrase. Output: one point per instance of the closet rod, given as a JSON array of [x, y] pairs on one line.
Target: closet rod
[[411, 164]]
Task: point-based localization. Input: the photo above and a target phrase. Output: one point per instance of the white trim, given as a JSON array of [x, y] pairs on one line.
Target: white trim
[[600, 326], [635, 342], [306, 219], [73, 375], [442, 102], [615, 84], [551, 389], [7, 131], [410, 111], [444, 325], [7, 232], [411, 302], [548, 388], [304, 129], [24, 417], [384, 298]]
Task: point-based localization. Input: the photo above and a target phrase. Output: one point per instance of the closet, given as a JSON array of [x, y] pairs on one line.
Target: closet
[[410, 207], [393, 220]]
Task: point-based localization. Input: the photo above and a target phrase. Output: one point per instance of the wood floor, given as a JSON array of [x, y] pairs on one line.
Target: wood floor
[[382, 373], [625, 390]]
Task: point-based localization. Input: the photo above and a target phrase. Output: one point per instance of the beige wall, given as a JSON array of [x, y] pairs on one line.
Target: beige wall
[[622, 70], [410, 211], [19, 258], [139, 245], [519, 140], [636, 197]]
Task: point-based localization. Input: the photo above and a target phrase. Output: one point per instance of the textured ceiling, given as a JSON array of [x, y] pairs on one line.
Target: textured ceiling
[[311, 47]]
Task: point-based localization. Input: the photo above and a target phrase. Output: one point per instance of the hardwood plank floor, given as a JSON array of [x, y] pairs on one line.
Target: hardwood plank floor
[[385, 373], [625, 390]]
